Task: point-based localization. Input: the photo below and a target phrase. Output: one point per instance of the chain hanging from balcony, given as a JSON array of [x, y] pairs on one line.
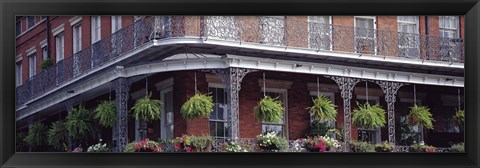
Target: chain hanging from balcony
[[346, 86], [390, 90]]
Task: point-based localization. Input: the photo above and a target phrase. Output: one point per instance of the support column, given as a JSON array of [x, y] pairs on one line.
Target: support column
[[120, 130], [346, 86], [232, 79], [390, 90]]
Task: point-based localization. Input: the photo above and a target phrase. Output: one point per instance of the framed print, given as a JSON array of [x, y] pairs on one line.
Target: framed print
[[192, 84]]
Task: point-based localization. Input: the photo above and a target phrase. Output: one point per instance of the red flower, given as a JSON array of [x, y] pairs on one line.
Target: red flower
[[137, 147], [188, 149], [321, 146]]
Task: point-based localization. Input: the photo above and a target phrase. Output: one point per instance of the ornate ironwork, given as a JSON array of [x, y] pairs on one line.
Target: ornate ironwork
[[390, 90], [277, 31], [346, 86], [232, 79], [122, 87]]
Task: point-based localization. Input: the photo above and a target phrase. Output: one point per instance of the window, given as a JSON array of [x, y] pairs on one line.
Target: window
[[45, 52], [77, 38], [329, 95], [96, 28], [166, 121], [18, 27], [448, 26], [408, 39], [116, 23], [218, 118], [31, 65], [18, 73], [59, 46], [222, 27], [279, 128], [365, 34], [30, 21], [408, 133], [272, 30], [43, 17], [451, 46], [367, 134], [319, 32]]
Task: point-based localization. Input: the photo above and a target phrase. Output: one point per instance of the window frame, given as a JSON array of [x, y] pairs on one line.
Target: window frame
[[330, 33], [77, 37], [378, 136], [28, 22], [226, 121], [32, 64], [441, 19], [60, 46], [18, 70], [116, 23], [285, 112], [19, 31], [416, 34], [96, 29], [163, 121], [374, 18]]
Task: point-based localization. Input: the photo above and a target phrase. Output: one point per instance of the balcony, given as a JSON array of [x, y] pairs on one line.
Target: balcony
[[262, 31]]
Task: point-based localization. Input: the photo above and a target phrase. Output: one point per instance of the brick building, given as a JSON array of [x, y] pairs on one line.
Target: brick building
[[391, 60]]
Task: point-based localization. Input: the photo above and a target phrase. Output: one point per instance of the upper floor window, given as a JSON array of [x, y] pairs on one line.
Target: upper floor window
[[408, 39], [96, 28], [43, 17], [77, 38], [272, 30], [449, 26], [18, 27], [218, 118], [32, 64], [44, 50], [18, 73], [30, 21], [320, 32], [59, 46], [365, 34], [116, 23]]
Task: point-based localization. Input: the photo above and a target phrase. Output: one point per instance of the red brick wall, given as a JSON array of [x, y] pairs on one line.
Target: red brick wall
[[298, 116], [248, 97]]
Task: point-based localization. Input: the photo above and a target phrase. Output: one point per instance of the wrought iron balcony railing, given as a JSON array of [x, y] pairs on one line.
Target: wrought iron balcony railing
[[271, 31]]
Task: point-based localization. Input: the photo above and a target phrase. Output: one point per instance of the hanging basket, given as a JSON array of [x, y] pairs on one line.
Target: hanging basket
[[323, 110], [420, 115], [368, 116], [198, 106], [106, 113], [147, 109], [269, 110]]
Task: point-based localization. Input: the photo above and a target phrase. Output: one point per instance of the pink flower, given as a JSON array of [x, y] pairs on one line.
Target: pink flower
[[321, 146], [188, 149]]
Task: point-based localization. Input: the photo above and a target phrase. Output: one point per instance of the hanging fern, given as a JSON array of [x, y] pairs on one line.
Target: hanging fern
[[198, 106], [37, 135], [420, 115], [368, 116], [323, 109], [106, 113], [459, 117], [80, 123], [147, 109], [269, 110], [57, 135]]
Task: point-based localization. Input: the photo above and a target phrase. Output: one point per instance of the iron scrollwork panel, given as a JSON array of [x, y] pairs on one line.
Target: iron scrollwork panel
[[122, 87], [390, 90]]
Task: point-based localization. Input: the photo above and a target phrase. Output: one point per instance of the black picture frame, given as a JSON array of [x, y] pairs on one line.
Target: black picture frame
[[8, 9]]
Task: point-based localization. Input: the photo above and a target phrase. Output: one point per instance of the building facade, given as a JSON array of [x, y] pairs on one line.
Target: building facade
[[395, 61]]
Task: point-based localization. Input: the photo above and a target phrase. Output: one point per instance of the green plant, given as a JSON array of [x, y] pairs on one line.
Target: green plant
[[323, 109], [459, 147], [317, 128], [268, 110], [420, 115], [106, 113], [360, 146], [272, 142], [80, 123], [192, 143], [37, 135], [20, 144], [231, 146], [198, 106], [338, 132], [459, 118], [145, 145], [130, 147], [368, 116], [46, 63], [57, 135], [422, 147], [147, 109], [384, 147]]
